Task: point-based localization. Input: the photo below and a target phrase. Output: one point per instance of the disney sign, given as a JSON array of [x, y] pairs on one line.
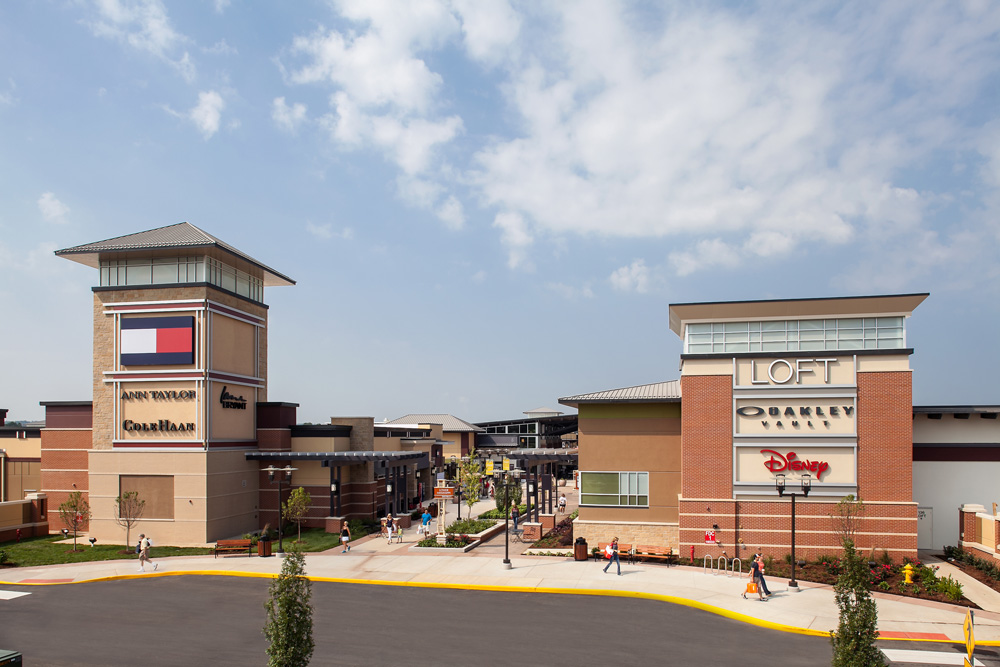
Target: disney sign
[[790, 462]]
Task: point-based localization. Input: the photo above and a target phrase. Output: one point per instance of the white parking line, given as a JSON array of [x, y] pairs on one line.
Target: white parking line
[[10, 595], [926, 657]]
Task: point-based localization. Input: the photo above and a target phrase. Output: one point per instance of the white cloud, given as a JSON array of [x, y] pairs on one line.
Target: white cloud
[[516, 237], [221, 5], [327, 231], [221, 48], [8, 98], [144, 26], [479, 276], [706, 254], [490, 28], [632, 278], [287, 117], [52, 209], [452, 213], [570, 292], [207, 114]]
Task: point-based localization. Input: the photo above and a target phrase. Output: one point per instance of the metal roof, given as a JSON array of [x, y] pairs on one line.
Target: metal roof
[[669, 391], [182, 235], [447, 422], [335, 458]]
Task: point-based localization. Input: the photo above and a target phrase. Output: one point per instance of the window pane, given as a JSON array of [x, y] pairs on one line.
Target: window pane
[[599, 482], [890, 322], [591, 499], [773, 326], [643, 486], [811, 325], [699, 328], [643, 500], [164, 273], [734, 326], [137, 275], [850, 323], [700, 338]]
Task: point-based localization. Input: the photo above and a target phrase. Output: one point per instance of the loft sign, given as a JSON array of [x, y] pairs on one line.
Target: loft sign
[[234, 402], [791, 462], [783, 371]]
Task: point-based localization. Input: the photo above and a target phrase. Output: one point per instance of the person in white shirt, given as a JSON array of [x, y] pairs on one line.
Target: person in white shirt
[[144, 545]]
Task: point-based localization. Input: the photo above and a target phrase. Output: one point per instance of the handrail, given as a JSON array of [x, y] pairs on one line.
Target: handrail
[[733, 567], [723, 565], [707, 563]]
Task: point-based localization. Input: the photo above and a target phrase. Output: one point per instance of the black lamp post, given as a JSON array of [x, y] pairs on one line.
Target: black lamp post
[[271, 470], [779, 484], [506, 513]]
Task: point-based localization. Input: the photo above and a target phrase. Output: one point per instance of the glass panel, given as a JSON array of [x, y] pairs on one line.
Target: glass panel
[[811, 325], [773, 335], [532, 428], [199, 275], [755, 326], [137, 275], [850, 323], [643, 486], [164, 273], [890, 333], [849, 334], [700, 338], [773, 326], [737, 347], [104, 275], [850, 344], [831, 345], [591, 499], [774, 347], [737, 337], [810, 335], [242, 284], [754, 336], [699, 349], [890, 322], [811, 345], [643, 500], [599, 482], [889, 344], [734, 326], [228, 279], [699, 328]]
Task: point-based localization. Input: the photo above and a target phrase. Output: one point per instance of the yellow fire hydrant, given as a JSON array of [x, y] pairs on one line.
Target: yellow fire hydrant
[[908, 572]]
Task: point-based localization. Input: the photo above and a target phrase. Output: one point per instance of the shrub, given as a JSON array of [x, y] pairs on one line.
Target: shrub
[[949, 587], [3, 556], [885, 558], [884, 586], [470, 526]]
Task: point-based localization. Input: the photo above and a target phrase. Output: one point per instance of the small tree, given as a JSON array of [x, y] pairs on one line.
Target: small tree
[[296, 507], [855, 636], [470, 478], [846, 518], [289, 615], [75, 512], [128, 510]]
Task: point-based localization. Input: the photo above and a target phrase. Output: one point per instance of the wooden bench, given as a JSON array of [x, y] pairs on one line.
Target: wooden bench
[[233, 546], [624, 551], [656, 553]]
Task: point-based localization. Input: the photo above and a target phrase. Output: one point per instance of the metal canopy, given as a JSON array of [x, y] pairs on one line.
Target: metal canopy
[[335, 458], [535, 457]]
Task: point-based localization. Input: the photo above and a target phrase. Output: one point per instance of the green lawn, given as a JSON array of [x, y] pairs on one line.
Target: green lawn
[[35, 551]]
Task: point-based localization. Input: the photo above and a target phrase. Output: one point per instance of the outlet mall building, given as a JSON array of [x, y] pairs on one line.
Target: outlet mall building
[[180, 412]]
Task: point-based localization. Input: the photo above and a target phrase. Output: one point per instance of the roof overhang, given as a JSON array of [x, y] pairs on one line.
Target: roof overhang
[[790, 309]]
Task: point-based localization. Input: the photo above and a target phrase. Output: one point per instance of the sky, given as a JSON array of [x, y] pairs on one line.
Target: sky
[[488, 205]]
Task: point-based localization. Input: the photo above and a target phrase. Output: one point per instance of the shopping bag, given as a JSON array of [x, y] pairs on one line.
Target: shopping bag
[[752, 588]]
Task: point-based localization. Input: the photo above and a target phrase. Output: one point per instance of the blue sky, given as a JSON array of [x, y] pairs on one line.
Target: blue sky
[[488, 205]]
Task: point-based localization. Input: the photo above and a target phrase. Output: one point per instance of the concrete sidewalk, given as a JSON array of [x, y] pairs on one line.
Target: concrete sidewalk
[[372, 561]]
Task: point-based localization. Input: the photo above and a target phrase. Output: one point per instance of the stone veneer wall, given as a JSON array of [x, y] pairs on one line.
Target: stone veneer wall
[[657, 535]]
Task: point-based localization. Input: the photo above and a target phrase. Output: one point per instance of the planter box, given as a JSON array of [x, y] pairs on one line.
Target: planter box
[[477, 539]]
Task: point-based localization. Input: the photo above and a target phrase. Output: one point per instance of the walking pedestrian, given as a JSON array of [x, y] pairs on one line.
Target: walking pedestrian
[[562, 504], [755, 576], [388, 528], [515, 514], [611, 551], [345, 537], [425, 522], [144, 545], [760, 566]]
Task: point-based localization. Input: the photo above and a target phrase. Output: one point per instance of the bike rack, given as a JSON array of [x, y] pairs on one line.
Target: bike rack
[[707, 563], [723, 565], [733, 567]]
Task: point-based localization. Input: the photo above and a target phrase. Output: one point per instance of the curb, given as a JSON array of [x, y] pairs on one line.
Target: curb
[[694, 604]]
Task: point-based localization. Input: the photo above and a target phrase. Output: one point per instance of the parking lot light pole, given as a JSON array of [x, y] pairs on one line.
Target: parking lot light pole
[[779, 484], [271, 470]]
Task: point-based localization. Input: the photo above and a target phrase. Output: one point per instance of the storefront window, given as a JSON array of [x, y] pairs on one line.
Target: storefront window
[[614, 489]]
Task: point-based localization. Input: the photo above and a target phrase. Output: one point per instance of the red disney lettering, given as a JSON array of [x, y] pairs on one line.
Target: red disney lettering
[[780, 462]]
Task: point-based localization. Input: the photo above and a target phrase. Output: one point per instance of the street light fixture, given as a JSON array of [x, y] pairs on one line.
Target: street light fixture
[[779, 484], [516, 474], [271, 470]]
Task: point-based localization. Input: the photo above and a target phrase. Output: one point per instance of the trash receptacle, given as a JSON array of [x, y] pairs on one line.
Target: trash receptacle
[[580, 549]]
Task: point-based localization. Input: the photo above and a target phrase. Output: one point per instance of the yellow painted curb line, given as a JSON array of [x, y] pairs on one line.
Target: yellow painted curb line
[[718, 611]]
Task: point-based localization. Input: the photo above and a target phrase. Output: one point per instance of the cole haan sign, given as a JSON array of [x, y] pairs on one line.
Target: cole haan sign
[[159, 426]]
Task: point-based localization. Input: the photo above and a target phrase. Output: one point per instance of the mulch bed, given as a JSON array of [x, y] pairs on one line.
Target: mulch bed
[[976, 574], [560, 537]]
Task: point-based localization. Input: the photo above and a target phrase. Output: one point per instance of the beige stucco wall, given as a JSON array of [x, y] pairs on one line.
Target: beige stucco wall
[[632, 533], [948, 429], [215, 494]]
